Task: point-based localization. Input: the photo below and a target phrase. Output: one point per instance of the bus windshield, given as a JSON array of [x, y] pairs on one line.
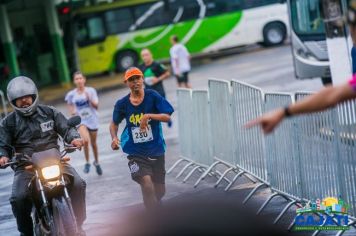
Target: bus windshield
[[306, 18]]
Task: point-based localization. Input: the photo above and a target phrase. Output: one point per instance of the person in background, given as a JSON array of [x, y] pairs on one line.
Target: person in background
[[154, 73], [83, 101], [180, 60]]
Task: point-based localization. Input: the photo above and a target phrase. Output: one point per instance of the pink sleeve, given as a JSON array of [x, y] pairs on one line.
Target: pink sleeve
[[352, 82]]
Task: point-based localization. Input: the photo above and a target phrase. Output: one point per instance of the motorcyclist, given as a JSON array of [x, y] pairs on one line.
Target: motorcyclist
[[33, 127]]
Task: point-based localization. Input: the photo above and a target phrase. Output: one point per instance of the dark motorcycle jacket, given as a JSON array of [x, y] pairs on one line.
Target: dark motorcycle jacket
[[34, 133]]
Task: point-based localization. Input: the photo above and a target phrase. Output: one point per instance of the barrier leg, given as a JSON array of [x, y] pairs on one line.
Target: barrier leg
[[251, 178], [206, 173], [219, 174], [284, 211], [266, 202], [190, 173], [175, 164], [184, 168], [290, 227], [222, 176], [253, 192], [234, 180]]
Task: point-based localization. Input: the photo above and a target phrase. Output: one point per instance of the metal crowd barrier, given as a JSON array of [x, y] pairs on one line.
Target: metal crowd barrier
[[282, 156], [222, 131], [3, 107], [347, 149], [249, 144], [307, 157], [194, 133], [185, 127]]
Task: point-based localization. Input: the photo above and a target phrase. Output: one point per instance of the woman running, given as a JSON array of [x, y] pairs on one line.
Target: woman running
[[83, 101]]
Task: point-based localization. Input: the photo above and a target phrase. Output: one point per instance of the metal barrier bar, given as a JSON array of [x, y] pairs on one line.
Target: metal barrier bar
[[221, 120], [282, 156], [346, 140], [281, 150], [185, 126], [200, 131], [249, 153], [317, 135], [219, 110], [249, 144]]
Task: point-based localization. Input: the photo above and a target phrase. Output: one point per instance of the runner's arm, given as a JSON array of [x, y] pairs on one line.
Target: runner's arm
[[94, 104], [164, 76], [325, 98], [113, 130], [160, 117]]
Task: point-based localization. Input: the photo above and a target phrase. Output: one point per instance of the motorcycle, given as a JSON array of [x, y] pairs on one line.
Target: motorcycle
[[52, 212]]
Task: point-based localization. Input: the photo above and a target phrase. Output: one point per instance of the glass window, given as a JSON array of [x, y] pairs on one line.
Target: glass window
[[96, 28], [118, 21], [216, 7], [306, 18], [81, 31], [150, 15], [90, 30], [189, 9], [259, 3]]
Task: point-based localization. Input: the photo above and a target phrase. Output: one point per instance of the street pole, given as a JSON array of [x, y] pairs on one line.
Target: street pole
[[8, 43], [57, 43]]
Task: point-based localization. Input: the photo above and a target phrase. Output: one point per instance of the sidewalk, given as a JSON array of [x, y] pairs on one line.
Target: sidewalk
[[56, 93]]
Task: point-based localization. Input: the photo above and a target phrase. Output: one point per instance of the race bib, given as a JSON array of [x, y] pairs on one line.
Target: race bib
[[85, 113], [139, 136], [47, 126]]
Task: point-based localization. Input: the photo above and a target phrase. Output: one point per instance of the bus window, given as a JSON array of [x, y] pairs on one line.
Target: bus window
[[118, 21], [150, 15], [216, 7], [190, 9], [259, 3], [96, 28], [306, 17], [90, 30]]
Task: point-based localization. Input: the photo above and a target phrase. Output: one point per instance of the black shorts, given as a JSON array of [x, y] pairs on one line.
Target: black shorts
[[183, 78], [142, 166]]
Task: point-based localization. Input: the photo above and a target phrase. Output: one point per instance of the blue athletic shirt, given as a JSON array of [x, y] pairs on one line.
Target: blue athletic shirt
[[149, 144]]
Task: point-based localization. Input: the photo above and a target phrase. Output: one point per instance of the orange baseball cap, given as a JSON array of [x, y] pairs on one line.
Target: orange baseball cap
[[131, 72]]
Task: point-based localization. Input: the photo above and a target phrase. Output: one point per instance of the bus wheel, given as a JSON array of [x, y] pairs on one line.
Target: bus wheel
[[274, 34], [125, 60]]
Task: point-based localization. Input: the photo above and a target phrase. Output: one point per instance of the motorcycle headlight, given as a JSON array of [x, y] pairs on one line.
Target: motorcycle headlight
[[50, 172]]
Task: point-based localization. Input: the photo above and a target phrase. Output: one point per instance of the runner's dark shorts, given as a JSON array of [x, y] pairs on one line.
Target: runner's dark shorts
[[141, 166], [183, 78]]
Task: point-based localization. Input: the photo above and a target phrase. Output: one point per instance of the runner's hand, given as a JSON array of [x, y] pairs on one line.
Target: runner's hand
[[78, 142], [115, 143], [155, 80], [4, 160], [144, 122], [268, 121]]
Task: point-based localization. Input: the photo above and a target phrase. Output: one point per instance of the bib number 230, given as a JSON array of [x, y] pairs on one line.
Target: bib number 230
[[142, 136]]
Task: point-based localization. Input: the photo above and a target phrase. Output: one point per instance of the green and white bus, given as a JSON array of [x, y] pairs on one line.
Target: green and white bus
[[109, 37]]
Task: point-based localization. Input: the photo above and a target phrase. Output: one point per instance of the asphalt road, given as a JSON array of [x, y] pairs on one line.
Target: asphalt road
[[114, 196]]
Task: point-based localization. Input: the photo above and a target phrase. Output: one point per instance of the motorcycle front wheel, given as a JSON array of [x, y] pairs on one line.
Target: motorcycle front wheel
[[63, 217]]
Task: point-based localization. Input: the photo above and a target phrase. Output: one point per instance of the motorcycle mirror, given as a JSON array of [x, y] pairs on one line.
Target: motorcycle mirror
[[74, 121]]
